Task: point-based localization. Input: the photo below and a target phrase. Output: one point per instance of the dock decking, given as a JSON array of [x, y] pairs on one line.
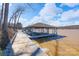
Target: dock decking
[[24, 46]]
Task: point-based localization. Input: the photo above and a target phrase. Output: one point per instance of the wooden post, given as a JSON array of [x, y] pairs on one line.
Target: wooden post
[[47, 30], [56, 48], [5, 38], [43, 30], [56, 31], [31, 29], [40, 30], [52, 31]]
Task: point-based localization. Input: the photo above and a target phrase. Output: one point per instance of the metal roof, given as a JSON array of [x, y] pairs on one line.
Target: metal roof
[[41, 25]]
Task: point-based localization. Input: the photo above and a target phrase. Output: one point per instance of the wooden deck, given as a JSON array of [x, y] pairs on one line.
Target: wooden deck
[[24, 46]]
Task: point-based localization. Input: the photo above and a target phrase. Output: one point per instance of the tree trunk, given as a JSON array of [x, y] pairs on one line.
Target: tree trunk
[[1, 16], [5, 38]]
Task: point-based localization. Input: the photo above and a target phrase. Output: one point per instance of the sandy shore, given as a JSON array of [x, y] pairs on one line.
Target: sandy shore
[[67, 46]]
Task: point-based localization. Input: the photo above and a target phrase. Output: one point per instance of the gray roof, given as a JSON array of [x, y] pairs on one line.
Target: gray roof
[[40, 25]]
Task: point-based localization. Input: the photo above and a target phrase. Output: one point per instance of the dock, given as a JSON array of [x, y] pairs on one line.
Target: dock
[[23, 46]]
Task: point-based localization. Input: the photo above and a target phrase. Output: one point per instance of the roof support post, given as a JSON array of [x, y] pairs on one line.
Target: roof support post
[[52, 30], [47, 30], [55, 30]]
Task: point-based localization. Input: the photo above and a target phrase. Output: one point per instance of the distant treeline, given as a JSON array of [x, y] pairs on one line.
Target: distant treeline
[[69, 27]]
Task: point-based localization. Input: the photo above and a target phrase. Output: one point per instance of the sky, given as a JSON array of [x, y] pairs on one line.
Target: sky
[[55, 14]]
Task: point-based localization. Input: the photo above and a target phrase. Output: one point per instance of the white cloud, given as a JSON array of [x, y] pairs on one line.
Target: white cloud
[[47, 20], [46, 15], [0, 4], [10, 4], [50, 9], [69, 15], [24, 21], [36, 19], [69, 4]]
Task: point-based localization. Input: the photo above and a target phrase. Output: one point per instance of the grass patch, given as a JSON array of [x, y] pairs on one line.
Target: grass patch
[[1, 53]]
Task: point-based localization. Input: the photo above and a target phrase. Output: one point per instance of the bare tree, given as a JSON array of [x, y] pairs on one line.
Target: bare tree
[[15, 17], [20, 8]]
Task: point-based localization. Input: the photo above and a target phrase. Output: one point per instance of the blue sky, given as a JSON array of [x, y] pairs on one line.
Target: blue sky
[[55, 14], [29, 12]]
